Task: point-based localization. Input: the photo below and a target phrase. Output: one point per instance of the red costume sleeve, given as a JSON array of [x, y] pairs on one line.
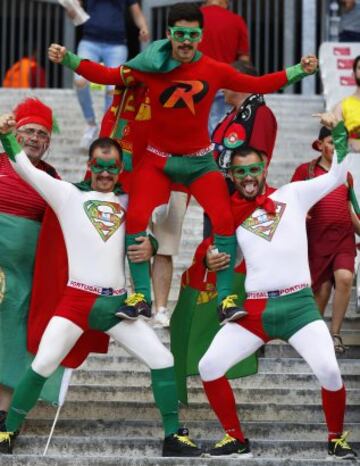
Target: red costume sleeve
[[100, 74], [235, 81]]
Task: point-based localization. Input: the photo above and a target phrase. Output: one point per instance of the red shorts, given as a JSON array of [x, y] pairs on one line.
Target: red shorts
[[89, 310], [323, 267]]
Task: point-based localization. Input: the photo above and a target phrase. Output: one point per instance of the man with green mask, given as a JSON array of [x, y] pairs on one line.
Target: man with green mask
[[182, 84], [92, 217]]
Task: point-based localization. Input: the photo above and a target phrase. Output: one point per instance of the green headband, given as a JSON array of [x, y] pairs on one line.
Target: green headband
[[100, 165], [242, 171], [182, 33]]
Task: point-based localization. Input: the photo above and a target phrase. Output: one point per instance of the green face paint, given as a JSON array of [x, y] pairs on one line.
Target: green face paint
[[111, 166], [182, 33], [242, 171]]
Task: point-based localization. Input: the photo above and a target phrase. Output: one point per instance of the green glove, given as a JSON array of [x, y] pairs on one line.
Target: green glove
[[296, 73], [10, 145], [71, 60], [339, 135]]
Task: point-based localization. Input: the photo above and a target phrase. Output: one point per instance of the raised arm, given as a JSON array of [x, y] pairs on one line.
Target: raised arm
[[54, 191], [271, 82], [93, 71], [311, 191], [140, 21]]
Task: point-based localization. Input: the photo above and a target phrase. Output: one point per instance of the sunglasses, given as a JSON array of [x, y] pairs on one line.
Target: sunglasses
[[111, 166], [182, 33], [241, 172]]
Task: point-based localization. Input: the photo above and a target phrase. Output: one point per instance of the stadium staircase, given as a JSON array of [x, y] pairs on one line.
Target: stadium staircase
[[109, 417]]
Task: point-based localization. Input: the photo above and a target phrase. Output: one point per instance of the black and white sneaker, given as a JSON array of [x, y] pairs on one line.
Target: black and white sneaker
[[135, 306], [338, 448], [231, 447], [228, 310], [180, 445]]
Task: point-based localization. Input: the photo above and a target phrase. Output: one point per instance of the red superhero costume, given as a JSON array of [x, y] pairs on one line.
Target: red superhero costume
[[179, 148]]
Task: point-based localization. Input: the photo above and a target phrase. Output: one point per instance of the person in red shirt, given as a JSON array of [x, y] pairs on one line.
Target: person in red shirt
[[331, 225], [182, 84], [21, 213], [225, 39]]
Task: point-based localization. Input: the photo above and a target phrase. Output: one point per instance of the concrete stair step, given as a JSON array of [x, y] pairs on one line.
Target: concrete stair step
[[133, 447], [137, 410], [198, 429], [132, 379], [270, 394], [104, 460]]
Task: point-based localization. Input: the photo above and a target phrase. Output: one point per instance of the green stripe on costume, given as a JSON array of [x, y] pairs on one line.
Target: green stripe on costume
[[166, 399], [339, 135], [224, 278], [24, 399], [295, 73], [140, 272], [102, 316]]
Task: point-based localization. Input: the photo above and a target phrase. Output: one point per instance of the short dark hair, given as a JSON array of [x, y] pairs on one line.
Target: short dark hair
[[105, 143], [244, 152], [185, 12], [355, 62]]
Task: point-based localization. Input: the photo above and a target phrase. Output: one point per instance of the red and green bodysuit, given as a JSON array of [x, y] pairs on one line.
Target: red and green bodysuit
[[179, 148]]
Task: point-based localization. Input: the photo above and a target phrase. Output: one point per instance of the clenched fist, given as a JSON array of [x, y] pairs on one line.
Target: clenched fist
[[56, 53], [309, 63], [7, 123]]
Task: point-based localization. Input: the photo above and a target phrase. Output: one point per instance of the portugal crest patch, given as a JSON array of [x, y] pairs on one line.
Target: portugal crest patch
[[107, 217], [264, 224]]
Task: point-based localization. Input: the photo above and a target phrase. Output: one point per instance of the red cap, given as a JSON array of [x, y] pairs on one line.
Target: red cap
[[32, 110]]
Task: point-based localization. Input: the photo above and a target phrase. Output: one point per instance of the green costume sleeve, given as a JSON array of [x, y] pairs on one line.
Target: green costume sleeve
[[296, 73], [339, 135], [10, 145], [354, 201], [71, 60]]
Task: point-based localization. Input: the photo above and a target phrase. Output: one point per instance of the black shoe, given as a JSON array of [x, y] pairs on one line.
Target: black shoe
[[229, 311], [135, 305], [179, 444], [6, 442], [338, 448], [3, 415], [230, 446]]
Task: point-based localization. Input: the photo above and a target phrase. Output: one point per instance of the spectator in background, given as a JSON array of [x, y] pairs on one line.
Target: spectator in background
[[25, 73], [349, 109], [350, 21], [225, 39], [331, 225], [104, 40]]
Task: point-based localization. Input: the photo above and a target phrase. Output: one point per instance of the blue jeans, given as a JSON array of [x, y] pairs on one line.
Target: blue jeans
[[218, 110], [111, 55]]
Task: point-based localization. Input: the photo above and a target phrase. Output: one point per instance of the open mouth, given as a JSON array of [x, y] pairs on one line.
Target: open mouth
[[250, 187]]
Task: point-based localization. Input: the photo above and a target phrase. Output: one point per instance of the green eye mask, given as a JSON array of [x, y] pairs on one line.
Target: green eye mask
[[242, 171], [182, 33], [111, 166]]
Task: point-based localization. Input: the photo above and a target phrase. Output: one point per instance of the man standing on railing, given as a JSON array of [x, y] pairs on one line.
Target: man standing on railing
[[182, 84], [104, 40]]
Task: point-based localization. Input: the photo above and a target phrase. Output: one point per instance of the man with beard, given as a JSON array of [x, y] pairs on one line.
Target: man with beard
[[92, 216], [182, 84], [271, 233]]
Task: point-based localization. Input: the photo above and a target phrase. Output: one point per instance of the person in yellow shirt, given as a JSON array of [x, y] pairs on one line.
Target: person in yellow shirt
[[348, 109]]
